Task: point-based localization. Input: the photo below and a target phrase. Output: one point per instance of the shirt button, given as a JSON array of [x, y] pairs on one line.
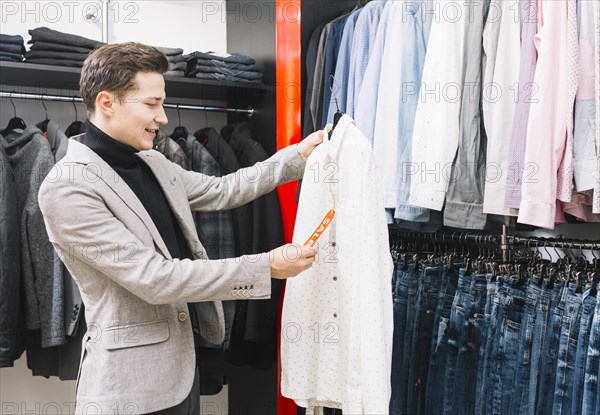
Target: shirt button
[[334, 278], [334, 315], [182, 316], [333, 244]]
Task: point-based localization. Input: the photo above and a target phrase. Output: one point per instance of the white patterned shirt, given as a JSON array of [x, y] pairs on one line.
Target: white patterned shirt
[[337, 320]]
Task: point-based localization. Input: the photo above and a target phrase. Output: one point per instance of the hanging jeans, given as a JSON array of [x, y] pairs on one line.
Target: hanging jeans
[[505, 329], [427, 300], [405, 298], [485, 349], [439, 343], [545, 398], [585, 327], [592, 366], [466, 328], [567, 351], [533, 329]]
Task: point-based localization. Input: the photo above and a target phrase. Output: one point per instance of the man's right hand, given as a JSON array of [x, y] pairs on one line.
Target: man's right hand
[[291, 259]]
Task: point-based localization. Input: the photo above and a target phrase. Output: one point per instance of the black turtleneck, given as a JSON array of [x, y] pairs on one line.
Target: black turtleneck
[[138, 176]]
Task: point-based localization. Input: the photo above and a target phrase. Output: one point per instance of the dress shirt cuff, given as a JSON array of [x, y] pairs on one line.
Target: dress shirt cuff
[[427, 198], [538, 214], [464, 215]]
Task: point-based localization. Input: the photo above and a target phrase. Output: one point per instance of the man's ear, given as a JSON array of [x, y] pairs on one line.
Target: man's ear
[[105, 102]]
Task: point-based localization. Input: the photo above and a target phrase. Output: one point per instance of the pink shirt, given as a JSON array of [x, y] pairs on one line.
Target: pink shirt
[[546, 132]]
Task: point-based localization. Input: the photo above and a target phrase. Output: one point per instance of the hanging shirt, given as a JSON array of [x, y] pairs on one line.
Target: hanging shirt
[[415, 23], [501, 60], [464, 199], [436, 130], [596, 197], [337, 318], [525, 90], [586, 129], [366, 96], [341, 70], [546, 130], [366, 26]]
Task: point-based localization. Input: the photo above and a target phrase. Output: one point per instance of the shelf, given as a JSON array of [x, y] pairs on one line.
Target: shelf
[[40, 79]]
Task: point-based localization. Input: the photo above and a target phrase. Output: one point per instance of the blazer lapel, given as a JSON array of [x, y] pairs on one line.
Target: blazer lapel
[[97, 166]]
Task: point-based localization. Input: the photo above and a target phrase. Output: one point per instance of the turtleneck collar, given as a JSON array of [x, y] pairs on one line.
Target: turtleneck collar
[[113, 152]]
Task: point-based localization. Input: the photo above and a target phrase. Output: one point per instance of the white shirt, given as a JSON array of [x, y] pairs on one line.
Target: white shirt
[[436, 130], [501, 46], [337, 319]]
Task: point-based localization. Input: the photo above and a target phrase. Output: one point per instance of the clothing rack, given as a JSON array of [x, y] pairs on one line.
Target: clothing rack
[[505, 243], [63, 98]]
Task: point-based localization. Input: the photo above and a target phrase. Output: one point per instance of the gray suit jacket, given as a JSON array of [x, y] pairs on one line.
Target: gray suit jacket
[[138, 353]]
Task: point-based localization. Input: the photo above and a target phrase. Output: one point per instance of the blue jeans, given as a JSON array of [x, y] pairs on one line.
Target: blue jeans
[[231, 58], [592, 366], [225, 78], [405, 281], [226, 71], [567, 350], [460, 393], [485, 349], [470, 362], [11, 39], [12, 48], [533, 327], [426, 305], [458, 321], [547, 379], [507, 314], [439, 343], [585, 328]]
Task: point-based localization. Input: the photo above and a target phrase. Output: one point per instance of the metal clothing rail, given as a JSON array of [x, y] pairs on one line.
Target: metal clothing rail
[[63, 98], [504, 242]]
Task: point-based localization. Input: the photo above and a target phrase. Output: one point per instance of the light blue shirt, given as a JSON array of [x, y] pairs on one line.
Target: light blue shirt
[[416, 25], [340, 85], [365, 28], [366, 92]]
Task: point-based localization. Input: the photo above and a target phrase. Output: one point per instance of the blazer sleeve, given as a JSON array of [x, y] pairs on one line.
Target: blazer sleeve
[[207, 193], [88, 236]]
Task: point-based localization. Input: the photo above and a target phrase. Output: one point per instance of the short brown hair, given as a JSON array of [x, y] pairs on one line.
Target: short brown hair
[[114, 67]]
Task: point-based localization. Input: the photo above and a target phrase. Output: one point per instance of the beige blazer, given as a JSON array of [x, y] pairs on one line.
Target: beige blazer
[[138, 353]]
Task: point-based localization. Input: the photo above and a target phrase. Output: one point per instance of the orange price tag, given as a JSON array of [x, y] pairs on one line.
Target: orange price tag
[[321, 228]]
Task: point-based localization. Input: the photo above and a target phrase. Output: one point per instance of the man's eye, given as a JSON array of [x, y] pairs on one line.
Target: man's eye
[[151, 105]]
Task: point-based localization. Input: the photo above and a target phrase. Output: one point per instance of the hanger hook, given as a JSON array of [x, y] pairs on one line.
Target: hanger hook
[[178, 115], [331, 85], [44, 105], [75, 108], [13, 104]]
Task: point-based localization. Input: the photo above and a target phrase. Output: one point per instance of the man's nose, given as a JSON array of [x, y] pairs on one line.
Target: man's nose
[[161, 117]]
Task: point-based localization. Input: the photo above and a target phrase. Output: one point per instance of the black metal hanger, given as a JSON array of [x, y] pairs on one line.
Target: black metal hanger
[[44, 124], [180, 133], [338, 114], [76, 127], [14, 123]]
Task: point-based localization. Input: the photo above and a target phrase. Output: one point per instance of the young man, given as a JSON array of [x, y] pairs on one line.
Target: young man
[[119, 215]]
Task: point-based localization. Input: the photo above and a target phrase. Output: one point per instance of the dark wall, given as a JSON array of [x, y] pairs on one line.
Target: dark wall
[[251, 31], [315, 12]]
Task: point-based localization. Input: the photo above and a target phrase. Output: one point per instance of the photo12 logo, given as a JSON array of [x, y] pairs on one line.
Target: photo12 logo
[[40, 12]]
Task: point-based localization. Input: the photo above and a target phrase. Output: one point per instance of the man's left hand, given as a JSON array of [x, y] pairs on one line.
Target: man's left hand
[[306, 146]]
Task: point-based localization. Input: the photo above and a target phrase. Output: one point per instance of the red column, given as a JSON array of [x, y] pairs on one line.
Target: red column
[[288, 104]]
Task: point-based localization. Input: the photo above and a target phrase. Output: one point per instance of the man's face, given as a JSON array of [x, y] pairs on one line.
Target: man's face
[[137, 119]]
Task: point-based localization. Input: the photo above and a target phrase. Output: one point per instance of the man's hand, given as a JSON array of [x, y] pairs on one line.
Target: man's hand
[[306, 146], [290, 260]]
